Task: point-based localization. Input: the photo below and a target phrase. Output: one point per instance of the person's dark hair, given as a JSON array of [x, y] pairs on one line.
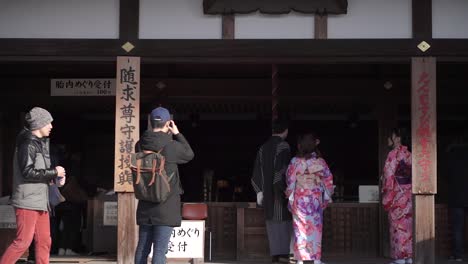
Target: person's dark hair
[[307, 144], [403, 134], [279, 126], [157, 124]]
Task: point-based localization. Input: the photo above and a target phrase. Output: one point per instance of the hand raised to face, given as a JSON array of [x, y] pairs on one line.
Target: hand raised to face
[[173, 128]]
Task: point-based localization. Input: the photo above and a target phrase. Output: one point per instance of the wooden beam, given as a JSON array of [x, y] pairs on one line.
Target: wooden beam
[[424, 146], [253, 51], [422, 19], [321, 26], [229, 25], [129, 20]]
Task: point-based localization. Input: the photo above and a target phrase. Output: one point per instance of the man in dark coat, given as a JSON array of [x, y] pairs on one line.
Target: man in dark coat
[[457, 172], [156, 220], [269, 182]]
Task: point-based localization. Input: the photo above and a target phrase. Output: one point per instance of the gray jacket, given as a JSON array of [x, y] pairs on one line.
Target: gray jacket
[[31, 172]]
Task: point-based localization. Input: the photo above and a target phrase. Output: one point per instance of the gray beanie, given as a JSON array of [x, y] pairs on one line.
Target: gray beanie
[[38, 118]]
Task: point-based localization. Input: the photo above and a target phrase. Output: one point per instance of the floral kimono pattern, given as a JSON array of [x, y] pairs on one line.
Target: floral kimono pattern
[[397, 201], [310, 187]]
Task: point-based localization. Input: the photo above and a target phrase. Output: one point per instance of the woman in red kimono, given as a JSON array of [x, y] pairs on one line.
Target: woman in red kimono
[[397, 199]]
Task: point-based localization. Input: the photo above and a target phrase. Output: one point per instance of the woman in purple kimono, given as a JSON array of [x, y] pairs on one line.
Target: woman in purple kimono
[[310, 187], [396, 199]]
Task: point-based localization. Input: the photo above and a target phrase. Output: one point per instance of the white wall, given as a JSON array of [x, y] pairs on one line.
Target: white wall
[[449, 18], [177, 19], [373, 19], [263, 26], [184, 19], [59, 19]]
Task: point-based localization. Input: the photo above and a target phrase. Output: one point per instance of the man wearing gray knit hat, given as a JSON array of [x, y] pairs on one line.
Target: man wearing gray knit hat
[[32, 175], [38, 118]]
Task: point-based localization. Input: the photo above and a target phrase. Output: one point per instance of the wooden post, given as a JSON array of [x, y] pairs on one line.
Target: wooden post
[[127, 132], [274, 92], [424, 147], [228, 28], [321, 26]]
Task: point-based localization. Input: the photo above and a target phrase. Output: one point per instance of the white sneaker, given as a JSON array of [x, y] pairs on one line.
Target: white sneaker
[[70, 252], [61, 252], [318, 262], [409, 261], [299, 262]]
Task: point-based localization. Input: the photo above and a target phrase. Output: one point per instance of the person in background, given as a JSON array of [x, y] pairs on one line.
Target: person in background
[[269, 182], [157, 220], [310, 188], [32, 175], [70, 212], [397, 197], [457, 176]]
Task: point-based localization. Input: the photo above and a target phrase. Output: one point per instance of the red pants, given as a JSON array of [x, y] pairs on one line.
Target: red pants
[[30, 223]]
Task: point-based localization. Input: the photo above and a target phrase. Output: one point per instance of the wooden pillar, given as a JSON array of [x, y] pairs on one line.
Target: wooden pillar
[[228, 28], [388, 119], [274, 91], [321, 26], [127, 132], [424, 149], [422, 19]]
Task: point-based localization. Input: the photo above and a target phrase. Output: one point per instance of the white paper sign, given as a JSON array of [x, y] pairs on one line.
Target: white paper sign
[[7, 217], [110, 214], [82, 87], [187, 241], [368, 193]]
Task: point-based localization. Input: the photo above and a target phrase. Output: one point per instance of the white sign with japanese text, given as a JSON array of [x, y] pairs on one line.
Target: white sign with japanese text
[[187, 241], [82, 87], [110, 214], [7, 217]]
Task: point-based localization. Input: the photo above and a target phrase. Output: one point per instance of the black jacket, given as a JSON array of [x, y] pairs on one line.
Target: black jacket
[[32, 172], [176, 151]]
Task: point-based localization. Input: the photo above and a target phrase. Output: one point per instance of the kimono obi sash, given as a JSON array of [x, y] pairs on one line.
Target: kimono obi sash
[[402, 180], [308, 181], [403, 173]]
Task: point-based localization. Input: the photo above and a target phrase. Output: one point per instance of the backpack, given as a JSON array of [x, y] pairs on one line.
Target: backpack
[[150, 180]]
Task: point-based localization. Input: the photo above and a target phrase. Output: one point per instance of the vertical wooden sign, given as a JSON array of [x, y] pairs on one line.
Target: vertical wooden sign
[[424, 146], [424, 126], [127, 117], [127, 132]]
